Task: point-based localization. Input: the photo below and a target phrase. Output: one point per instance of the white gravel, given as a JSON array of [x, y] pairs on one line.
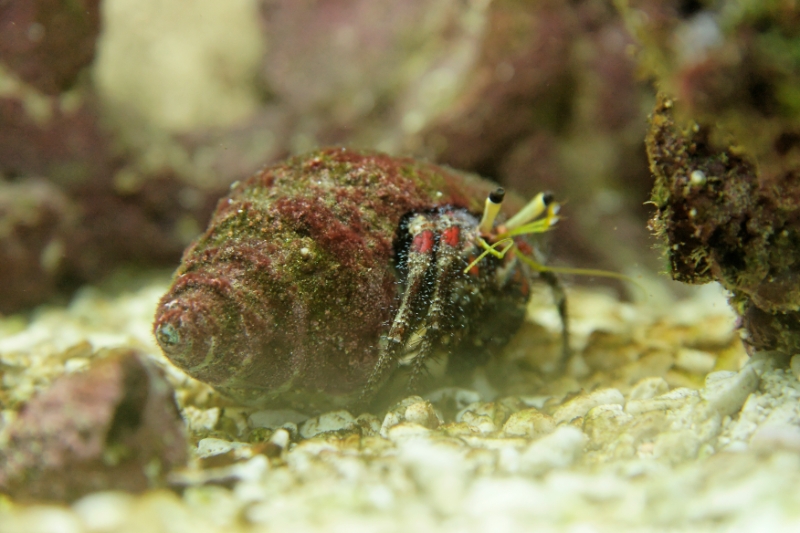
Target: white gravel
[[658, 429]]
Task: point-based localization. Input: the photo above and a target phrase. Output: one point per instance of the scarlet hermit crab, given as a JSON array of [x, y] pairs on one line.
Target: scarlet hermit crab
[[332, 277]]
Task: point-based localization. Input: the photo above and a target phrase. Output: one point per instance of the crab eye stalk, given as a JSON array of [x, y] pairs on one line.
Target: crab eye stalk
[[533, 210], [491, 208]]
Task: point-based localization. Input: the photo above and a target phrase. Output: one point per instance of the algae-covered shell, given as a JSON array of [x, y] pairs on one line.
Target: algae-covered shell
[[283, 300]]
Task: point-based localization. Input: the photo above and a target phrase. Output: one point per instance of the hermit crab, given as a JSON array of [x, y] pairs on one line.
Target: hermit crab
[[340, 276]]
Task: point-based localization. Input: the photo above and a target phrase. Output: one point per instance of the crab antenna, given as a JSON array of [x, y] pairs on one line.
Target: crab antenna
[[490, 209], [532, 210]]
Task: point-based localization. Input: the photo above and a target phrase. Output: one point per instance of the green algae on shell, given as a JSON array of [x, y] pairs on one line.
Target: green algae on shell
[[284, 299]]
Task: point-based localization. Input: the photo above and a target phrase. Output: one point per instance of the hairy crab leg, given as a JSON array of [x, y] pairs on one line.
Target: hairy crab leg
[[420, 257], [448, 258]]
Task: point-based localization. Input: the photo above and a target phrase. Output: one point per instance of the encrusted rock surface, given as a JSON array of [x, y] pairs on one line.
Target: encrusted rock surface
[[723, 150], [114, 426], [640, 439]]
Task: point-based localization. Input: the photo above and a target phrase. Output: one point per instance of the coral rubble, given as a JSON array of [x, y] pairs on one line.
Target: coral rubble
[[114, 426]]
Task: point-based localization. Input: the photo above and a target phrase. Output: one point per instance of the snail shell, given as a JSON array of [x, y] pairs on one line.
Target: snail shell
[[283, 300]]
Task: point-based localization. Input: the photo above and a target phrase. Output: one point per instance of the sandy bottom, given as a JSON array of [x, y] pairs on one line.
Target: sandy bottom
[[660, 423]]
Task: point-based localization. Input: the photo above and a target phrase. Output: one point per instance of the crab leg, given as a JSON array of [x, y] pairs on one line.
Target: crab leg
[[560, 298], [548, 274], [420, 256], [447, 265]]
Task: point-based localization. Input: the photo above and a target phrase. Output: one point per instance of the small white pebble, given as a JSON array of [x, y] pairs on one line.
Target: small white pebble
[[604, 422], [727, 391], [580, 405], [557, 450], [201, 419], [672, 400], [291, 428], [647, 388], [480, 423], [274, 418], [103, 511], [697, 178], [333, 421], [280, 438], [391, 419], [529, 423], [676, 446], [406, 430], [422, 413], [210, 447], [252, 469], [369, 424], [412, 409], [695, 361]]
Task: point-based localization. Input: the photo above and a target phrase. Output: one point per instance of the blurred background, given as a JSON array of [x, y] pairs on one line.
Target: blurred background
[[123, 121]]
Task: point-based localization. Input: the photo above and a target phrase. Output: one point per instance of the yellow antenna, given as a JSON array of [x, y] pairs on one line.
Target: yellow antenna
[[525, 223], [536, 226], [490, 210], [534, 209], [535, 265]]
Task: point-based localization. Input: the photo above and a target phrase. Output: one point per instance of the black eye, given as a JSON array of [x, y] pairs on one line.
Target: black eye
[[168, 336], [497, 195]]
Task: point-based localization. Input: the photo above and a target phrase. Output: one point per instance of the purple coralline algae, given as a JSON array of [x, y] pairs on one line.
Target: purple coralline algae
[[114, 427]]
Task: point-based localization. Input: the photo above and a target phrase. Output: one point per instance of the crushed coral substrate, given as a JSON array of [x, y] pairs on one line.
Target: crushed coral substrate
[[661, 423]]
